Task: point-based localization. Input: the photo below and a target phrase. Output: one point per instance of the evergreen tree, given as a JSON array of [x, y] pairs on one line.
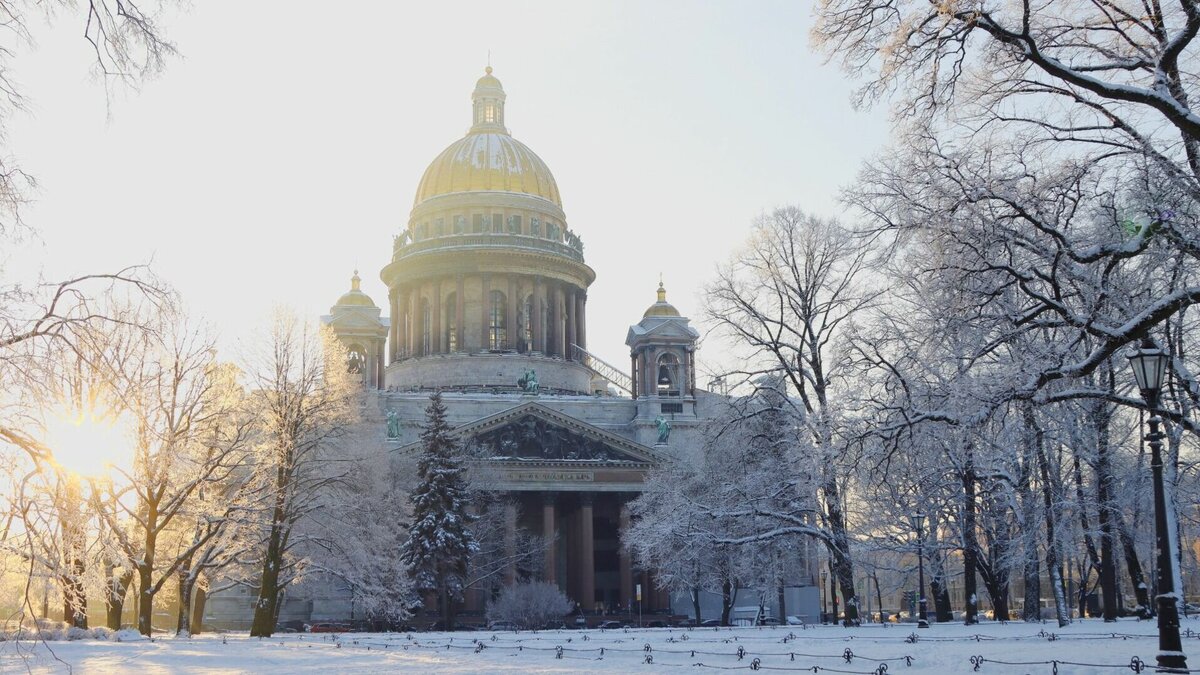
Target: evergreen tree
[[439, 540]]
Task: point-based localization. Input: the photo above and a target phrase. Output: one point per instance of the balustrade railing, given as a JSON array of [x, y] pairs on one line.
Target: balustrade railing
[[484, 240], [602, 368]]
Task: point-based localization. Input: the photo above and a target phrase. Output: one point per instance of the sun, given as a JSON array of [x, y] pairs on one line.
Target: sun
[[87, 442]]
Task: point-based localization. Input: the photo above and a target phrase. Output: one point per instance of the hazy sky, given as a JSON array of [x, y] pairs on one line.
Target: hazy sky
[[284, 146]]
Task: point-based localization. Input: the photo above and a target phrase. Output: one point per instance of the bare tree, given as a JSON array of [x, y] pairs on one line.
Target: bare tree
[[191, 436], [786, 300], [304, 400]]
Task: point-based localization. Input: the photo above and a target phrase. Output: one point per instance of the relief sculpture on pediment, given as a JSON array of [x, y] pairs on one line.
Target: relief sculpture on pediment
[[533, 438]]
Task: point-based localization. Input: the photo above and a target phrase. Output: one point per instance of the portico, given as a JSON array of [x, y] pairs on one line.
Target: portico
[[571, 483]]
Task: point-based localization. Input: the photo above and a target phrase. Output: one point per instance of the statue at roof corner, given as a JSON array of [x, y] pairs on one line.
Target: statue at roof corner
[[393, 424], [664, 430], [528, 383]]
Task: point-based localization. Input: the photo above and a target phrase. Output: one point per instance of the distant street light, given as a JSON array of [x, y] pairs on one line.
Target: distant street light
[[918, 523], [1149, 365], [824, 600]]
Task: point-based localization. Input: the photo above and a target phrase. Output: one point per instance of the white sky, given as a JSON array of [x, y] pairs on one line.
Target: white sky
[[285, 145]]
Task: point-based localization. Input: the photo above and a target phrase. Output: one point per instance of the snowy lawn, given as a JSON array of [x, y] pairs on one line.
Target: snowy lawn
[[949, 648]]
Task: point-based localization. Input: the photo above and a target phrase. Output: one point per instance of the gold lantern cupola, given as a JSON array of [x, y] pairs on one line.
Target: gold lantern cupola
[[662, 307], [488, 104]]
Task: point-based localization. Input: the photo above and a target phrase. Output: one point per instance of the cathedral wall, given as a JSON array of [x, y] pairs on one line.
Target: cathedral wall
[[486, 370]]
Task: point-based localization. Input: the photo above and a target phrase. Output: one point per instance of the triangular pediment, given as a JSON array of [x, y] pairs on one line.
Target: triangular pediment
[[669, 330], [534, 432], [356, 322]]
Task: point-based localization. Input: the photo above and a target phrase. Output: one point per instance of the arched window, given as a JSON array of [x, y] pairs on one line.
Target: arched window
[[356, 360], [451, 313], [668, 380], [497, 330], [426, 328]]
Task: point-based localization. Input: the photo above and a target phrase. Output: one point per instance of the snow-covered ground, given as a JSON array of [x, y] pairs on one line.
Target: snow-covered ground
[[1106, 648]]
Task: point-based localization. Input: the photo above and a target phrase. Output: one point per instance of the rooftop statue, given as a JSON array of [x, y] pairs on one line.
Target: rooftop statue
[[664, 430], [393, 424], [528, 382]]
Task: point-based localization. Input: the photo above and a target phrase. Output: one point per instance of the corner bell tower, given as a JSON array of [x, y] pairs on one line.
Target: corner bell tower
[[356, 321], [662, 349]]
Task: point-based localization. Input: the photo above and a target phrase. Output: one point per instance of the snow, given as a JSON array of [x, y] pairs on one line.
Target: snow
[[945, 648]]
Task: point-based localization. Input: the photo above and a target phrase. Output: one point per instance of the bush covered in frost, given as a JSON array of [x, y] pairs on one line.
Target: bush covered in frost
[[529, 606]]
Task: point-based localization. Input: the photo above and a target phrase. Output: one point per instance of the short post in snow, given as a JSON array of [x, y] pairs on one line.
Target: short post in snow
[[1149, 365]]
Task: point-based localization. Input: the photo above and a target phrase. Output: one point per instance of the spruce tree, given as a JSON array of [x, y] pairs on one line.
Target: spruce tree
[[439, 539]]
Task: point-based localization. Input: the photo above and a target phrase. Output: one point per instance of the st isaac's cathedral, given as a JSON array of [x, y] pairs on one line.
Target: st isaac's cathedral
[[487, 302]]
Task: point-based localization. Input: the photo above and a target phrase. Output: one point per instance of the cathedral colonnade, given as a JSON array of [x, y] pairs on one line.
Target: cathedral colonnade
[[584, 557]]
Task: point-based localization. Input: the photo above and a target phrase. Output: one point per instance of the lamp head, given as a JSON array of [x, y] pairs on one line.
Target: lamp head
[[1149, 365], [918, 521]]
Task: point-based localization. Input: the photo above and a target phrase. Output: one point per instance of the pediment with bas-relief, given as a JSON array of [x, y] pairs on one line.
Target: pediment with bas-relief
[[535, 433]]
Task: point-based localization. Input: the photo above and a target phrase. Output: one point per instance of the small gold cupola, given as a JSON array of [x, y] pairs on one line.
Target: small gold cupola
[[355, 296], [662, 307]]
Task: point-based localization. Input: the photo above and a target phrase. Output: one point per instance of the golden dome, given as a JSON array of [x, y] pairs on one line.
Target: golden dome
[[662, 307], [355, 297], [488, 162], [488, 81], [488, 159]]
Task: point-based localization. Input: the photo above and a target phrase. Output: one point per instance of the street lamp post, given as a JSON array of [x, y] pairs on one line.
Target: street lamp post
[[1149, 365], [824, 600], [918, 521]]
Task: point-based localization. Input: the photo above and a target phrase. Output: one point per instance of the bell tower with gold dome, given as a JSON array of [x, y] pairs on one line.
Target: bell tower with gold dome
[[487, 281], [356, 322], [662, 349]]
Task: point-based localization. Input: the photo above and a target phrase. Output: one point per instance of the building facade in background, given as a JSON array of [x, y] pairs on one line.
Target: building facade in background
[[487, 302]]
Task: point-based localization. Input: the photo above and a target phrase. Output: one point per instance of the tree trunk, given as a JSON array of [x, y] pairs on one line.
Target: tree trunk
[[1137, 579], [73, 589], [1088, 544], [1062, 610], [833, 596], [447, 603], [839, 551], [997, 588], [145, 602], [970, 549], [198, 610], [1052, 562], [878, 596], [696, 603], [782, 605], [75, 597], [1032, 575], [1031, 569], [70, 521], [183, 621], [1104, 492], [728, 597], [266, 608], [145, 569], [937, 583], [114, 600]]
